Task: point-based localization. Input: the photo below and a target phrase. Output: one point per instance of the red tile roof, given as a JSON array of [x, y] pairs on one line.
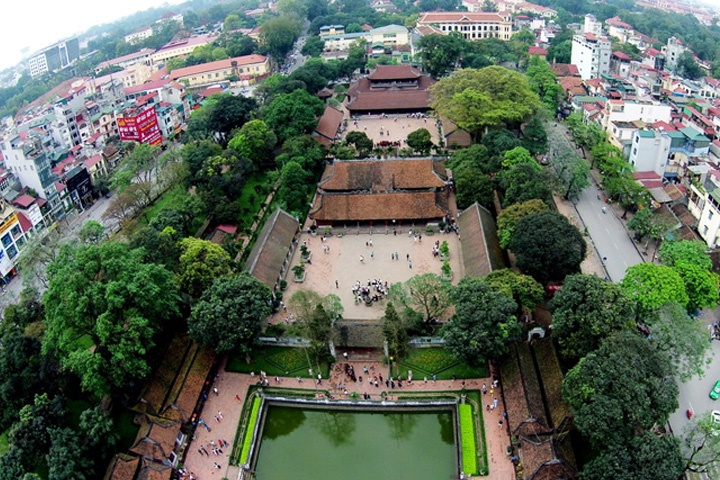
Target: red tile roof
[[23, 201], [329, 123], [622, 56], [217, 65], [537, 51], [92, 161], [25, 223], [371, 175], [459, 17], [650, 175], [394, 72], [230, 229], [565, 69], [379, 206], [147, 87], [210, 91]]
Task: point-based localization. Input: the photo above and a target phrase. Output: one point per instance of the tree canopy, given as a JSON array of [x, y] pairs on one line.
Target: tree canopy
[[623, 387], [547, 246], [108, 297], [652, 286], [420, 140], [230, 314], [200, 263], [483, 323], [255, 141], [427, 294], [510, 216], [526, 292], [440, 53], [293, 114], [586, 310], [477, 100]]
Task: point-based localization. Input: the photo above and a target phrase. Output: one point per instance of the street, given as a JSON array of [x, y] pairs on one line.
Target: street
[[607, 232]]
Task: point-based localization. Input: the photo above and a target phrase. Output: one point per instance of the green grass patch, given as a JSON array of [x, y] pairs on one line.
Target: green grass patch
[[467, 439], [281, 361], [170, 199], [126, 429], [4, 442], [249, 428], [252, 197], [438, 362]]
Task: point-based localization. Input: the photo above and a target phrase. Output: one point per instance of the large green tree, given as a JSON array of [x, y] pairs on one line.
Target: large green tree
[[200, 263], [230, 314], [526, 292], [293, 114], [440, 53], [586, 310], [427, 294], [477, 100], [623, 387], [255, 141], [547, 246], [103, 307], [279, 34], [395, 330], [690, 261], [652, 286], [66, 459], [700, 445], [524, 182], [483, 324], [420, 140], [510, 216]]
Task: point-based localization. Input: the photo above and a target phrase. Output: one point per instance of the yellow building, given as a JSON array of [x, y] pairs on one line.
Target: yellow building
[[181, 47], [245, 70], [473, 26]]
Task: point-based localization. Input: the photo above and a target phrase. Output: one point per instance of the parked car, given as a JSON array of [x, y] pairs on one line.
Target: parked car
[[715, 422], [715, 392]]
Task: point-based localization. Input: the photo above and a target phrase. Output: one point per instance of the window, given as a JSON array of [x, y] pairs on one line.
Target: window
[[634, 151], [7, 240], [16, 231], [710, 215], [12, 252], [705, 230]]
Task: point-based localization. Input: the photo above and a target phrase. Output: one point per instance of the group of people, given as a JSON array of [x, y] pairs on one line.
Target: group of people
[[714, 331], [375, 291]]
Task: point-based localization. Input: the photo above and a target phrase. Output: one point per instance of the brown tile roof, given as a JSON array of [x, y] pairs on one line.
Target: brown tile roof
[[391, 100], [459, 17], [359, 335], [480, 247], [217, 65], [394, 72], [565, 69], [329, 123], [540, 461], [156, 441], [154, 471], [377, 176], [268, 258], [380, 206], [123, 467]]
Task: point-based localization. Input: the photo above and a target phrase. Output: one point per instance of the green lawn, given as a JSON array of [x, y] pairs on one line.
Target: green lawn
[[467, 439], [438, 362], [249, 428], [250, 200], [170, 198], [282, 361]]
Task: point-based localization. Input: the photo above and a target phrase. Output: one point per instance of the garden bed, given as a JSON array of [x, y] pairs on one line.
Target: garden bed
[[468, 445], [438, 362], [281, 361]]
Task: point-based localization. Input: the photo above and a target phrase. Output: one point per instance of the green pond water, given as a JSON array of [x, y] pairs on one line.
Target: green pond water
[[302, 444]]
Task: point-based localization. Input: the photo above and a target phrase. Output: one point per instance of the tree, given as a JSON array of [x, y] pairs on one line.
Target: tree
[[158, 247], [652, 286], [109, 297], [519, 155], [510, 216], [361, 141], [293, 114], [483, 323], [316, 315], [547, 246], [427, 294], [687, 66], [31, 433], [279, 34], [18, 317], [472, 186], [440, 53], [623, 387], [232, 22], [641, 223], [98, 428], [693, 265], [230, 314], [475, 157], [574, 174], [200, 263], [586, 310], [477, 100], [293, 189], [524, 182], [648, 455], [700, 445], [64, 459], [255, 141], [688, 252], [535, 136], [313, 46], [91, 232], [544, 82], [11, 464], [420, 141], [682, 337], [526, 292], [229, 112], [395, 331]]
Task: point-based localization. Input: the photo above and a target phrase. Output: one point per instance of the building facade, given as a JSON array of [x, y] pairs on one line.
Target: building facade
[[54, 57], [591, 54], [246, 70], [473, 26], [140, 125]]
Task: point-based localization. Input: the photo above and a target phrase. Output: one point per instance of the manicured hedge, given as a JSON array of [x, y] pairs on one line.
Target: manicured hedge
[[467, 439], [249, 428]]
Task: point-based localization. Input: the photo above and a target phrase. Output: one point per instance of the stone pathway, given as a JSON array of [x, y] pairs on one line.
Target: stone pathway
[[233, 388]]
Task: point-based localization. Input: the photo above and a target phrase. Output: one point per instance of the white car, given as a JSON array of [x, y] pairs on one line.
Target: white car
[[715, 422]]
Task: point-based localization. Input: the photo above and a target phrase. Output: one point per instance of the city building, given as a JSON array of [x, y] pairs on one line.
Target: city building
[[631, 110], [332, 30], [591, 54], [12, 239], [139, 123], [143, 56], [54, 57], [672, 50], [473, 26], [620, 64], [181, 47], [243, 70], [385, 37], [649, 151], [139, 35], [591, 25]]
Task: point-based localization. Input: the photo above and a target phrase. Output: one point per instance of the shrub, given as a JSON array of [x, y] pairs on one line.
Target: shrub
[[467, 439], [249, 428]]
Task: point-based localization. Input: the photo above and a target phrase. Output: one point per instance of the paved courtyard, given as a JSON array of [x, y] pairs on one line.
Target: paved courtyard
[[342, 264], [393, 128], [233, 389]]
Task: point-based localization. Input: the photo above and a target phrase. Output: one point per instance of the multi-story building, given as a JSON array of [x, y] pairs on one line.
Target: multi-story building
[[672, 51], [649, 151], [181, 47], [631, 110], [473, 26], [245, 70], [388, 36], [591, 54], [139, 35], [591, 25], [54, 57], [27, 157], [140, 124], [143, 56], [620, 64], [332, 30], [12, 239]]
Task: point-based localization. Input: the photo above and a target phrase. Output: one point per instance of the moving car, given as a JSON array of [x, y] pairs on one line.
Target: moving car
[[715, 392], [715, 422]]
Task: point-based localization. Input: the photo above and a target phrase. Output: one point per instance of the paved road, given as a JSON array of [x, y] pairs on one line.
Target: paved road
[[694, 392], [607, 232]]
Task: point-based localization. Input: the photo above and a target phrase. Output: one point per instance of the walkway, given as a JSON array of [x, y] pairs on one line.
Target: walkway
[[232, 386]]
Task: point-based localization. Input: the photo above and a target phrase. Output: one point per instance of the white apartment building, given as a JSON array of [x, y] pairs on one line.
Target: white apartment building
[[672, 51], [387, 36], [632, 110], [591, 25], [591, 54], [139, 35], [143, 56], [649, 151], [473, 26]]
